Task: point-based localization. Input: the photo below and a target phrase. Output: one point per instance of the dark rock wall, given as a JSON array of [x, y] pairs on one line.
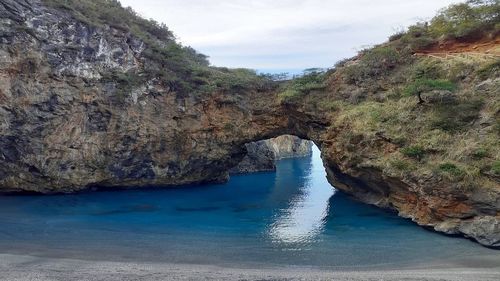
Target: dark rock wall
[[261, 155]]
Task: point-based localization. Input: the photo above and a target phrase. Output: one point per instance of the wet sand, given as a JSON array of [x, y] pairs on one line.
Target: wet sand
[[22, 267]]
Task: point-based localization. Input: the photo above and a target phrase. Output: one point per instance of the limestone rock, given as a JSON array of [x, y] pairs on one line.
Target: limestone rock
[[259, 158], [261, 155], [289, 147]]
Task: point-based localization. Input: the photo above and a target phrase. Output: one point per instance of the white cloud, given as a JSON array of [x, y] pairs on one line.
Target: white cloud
[[284, 34]]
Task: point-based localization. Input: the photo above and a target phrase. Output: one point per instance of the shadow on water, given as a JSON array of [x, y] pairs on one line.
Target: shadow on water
[[144, 208]]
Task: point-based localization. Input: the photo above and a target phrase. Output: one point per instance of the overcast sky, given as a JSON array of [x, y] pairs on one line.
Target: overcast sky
[[284, 35]]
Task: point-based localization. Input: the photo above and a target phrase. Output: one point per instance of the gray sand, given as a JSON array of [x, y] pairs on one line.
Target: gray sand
[[17, 268]]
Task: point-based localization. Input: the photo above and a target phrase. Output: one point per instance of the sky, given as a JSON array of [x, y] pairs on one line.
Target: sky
[[284, 35]]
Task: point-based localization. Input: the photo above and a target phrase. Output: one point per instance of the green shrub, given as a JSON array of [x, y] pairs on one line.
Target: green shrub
[[427, 69], [489, 70], [342, 63], [330, 105], [480, 153], [236, 79], [420, 86], [374, 63], [416, 152], [381, 57], [124, 82], [400, 164], [426, 85], [417, 37], [495, 168], [181, 68], [303, 85], [111, 12], [459, 70], [466, 20], [451, 169], [288, 95], [399, 140], [229, 127], [381, 60], [397, 36], [354, 73], [454, 118], [474, 18]]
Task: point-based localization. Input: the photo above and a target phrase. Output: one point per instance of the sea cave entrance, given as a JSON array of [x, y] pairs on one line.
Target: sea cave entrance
[[301, 178], [291, 216]]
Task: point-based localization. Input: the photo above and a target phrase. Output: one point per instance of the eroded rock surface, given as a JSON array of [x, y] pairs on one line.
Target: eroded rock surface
[[290, 147], [259, 158], [262, 155]]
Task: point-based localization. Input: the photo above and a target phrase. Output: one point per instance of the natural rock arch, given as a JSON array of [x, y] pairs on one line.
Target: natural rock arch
[[65, 129]]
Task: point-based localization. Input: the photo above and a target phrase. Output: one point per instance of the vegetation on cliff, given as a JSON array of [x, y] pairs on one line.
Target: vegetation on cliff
[[412, 124], [474, 19], [426, 107], [181, 68], [430, 94], [311, 80]]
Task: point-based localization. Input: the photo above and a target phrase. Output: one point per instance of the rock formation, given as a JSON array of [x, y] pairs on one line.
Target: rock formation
[[78, 112], [289, 147], [262, 155], [259, 158]]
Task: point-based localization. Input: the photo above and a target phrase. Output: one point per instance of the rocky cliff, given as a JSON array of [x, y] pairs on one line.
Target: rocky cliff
[[262, 155], [259, 158], [289, 147], [106, 99]]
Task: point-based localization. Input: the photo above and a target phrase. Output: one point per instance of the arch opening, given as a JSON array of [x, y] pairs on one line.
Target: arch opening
[[305, 215], [261, 156]]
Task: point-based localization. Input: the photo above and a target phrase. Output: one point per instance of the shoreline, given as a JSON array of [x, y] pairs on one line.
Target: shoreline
[[25, 267]]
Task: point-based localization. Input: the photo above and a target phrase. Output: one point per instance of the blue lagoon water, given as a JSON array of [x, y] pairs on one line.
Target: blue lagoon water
[[292, 217]]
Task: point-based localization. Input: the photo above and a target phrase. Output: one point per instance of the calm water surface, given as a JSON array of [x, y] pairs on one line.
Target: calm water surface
[[292, 217]]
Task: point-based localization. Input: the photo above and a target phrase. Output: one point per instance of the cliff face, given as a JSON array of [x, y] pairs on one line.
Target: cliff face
[[67, 125], [259, 158], [262, 155], [289, 147]]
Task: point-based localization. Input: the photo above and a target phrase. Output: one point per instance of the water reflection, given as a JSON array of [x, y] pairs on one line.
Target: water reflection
[[257, 219], [304, 218]]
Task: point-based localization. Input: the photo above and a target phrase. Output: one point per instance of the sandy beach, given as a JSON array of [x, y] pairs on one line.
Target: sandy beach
[[24, 268]]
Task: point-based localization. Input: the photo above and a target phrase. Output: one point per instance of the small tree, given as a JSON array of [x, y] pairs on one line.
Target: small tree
[[312, 80], [466, 19], [422, 85]]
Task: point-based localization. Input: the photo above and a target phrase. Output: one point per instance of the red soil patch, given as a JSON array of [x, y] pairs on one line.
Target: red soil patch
[[485, 45]]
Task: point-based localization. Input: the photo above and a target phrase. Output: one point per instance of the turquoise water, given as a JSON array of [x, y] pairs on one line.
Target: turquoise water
[[292, 217]]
